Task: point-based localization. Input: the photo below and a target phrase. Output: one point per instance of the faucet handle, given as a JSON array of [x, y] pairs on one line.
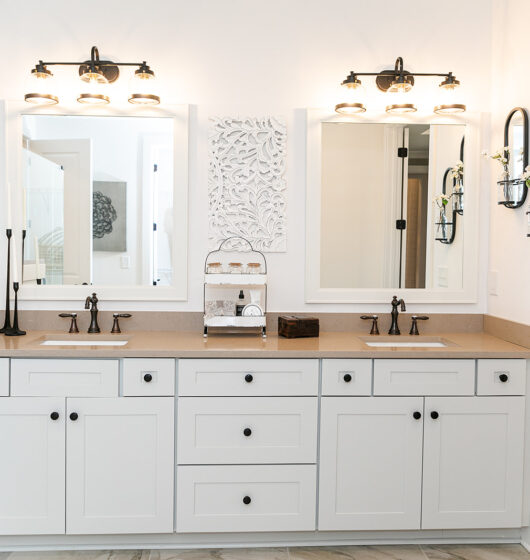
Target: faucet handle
[[373, 318], [116, 325], [415, 319], [73, 323]]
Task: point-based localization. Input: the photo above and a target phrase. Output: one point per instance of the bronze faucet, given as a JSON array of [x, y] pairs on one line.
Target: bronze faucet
[[92, 303], [394, 328]]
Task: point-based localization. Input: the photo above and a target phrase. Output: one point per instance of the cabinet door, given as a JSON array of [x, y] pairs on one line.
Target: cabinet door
[[32, 475], [370, 463], [473, 462], [120, 465]]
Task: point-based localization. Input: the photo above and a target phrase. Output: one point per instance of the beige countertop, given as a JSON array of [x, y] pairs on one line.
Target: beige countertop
[[166, 344]]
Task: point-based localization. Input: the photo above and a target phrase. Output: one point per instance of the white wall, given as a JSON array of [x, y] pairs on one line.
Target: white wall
[[509, 247], [249, 57]]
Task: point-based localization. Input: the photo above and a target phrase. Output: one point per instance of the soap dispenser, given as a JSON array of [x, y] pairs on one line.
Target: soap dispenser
[[241, 303]]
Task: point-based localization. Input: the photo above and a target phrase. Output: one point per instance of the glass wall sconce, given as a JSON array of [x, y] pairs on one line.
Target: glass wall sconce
[[401, 81], [511, 188], [95, 74]]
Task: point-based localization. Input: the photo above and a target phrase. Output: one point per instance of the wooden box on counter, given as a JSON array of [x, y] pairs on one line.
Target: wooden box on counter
[[297, 326]]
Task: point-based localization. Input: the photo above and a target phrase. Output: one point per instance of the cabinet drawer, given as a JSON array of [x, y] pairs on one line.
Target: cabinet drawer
[[424, 377], [214, 499], [501, 377], [243, 377], [150, 377], [64, 378], [258, 430], [4, 377], [346, 377]]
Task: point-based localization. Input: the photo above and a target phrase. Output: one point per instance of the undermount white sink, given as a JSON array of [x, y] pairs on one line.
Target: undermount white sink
[[84, 342], [406, 342]]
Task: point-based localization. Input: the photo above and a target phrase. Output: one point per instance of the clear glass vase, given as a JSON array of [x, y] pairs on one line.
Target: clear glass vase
[[511, 191], [458, 196]]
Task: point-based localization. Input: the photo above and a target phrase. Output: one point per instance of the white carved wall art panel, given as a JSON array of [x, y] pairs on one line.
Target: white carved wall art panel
[[246, 184]]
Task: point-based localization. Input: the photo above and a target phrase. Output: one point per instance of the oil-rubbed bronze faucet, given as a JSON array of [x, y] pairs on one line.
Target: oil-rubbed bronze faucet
[[394, 328], [92, 303]]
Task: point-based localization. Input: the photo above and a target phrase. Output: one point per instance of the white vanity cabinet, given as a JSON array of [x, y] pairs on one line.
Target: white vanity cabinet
[[119, 457], [370, 463], [32, 465], [473, 462], [425, 461], [247, 445], [83, 465]]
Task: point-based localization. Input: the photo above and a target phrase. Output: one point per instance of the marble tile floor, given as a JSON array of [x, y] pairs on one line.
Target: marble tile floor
[[403, 552]]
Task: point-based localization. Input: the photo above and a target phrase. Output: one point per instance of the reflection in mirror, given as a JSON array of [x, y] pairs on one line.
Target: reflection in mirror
[[377, 224], [99, 200]]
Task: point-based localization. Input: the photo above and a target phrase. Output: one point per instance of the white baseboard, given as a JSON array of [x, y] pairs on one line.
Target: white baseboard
[[242, 540]]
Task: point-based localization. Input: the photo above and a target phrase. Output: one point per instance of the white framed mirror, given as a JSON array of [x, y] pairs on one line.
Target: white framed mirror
[[373, 208], [103, 195]]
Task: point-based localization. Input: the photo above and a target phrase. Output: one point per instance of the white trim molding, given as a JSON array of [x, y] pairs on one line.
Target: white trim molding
[[315, 293], [13, 112]]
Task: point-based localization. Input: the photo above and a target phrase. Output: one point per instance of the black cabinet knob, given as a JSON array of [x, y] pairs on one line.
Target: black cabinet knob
[[148, 378], [503, 377], [249, 378], [246, 500], [434, 415], [247, 432], [347, 377], [54, 416], [416, 415], [74, 416]]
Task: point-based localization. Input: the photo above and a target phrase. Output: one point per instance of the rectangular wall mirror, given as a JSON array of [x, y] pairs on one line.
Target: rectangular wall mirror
[[373, 193], [105, 203]]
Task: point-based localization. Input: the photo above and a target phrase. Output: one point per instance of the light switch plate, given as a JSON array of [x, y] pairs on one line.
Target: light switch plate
[[125, 261]]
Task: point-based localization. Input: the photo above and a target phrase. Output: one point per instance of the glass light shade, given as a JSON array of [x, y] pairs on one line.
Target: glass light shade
[[39, 87], [448, 101], [401, 108], [142, 87], [94, 93]]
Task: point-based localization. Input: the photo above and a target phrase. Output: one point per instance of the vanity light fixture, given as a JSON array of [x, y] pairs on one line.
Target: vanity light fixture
[[399, 81], [96, 74]]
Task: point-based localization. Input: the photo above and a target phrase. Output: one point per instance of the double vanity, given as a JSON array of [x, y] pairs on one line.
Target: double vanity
[[163, 438]]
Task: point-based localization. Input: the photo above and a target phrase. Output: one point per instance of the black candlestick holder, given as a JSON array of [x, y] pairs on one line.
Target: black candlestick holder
[[7, 320], [14, 330]]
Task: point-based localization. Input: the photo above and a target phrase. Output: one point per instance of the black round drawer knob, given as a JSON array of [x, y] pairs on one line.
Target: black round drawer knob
[[54, 416], [247, 432], [503, 377], [416, 415], [347, 377], [246, 500], [148, 378], [249, 378], [74, 416], [434, 415]]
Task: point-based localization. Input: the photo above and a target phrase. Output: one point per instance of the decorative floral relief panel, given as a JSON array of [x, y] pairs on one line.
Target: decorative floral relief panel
[[246, 184]]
